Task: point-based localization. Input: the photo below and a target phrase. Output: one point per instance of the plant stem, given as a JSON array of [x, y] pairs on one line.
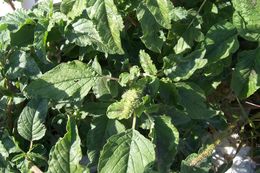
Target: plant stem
[[134, 122], [252, 104], [244, 114], [10, 2], [9, 115], [35, 169], [111, 78], [31, 145], [200, 8]]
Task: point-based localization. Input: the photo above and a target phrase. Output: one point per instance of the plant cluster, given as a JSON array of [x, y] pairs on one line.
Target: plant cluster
[[116, 86]]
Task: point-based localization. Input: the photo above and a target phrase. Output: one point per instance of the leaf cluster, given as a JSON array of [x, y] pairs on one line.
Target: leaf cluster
[[127, 86]]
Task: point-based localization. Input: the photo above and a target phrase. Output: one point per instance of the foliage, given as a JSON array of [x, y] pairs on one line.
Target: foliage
[[127, 86]]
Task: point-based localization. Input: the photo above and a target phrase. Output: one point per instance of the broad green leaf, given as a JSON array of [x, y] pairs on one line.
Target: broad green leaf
[[66, 153], [165, 149], [40, 38], [126, 152], [217, 68], [246, 18], [21, 63], [65, 80], [23, 37], [152, 38], [95, 109], [72, 8], [147, 63], [102, 86], [30, 122], [246, 76], [182, 68], [186, 30], [168, 92], [161, 11], [4, 38], [186, 40], [108, 23], [84, 33], [8, 146], [221, 41], [126, 106], [126, 77], [44, 8], [179, 13], [17, 19], [193, 99], [101, 129], [6, 167]]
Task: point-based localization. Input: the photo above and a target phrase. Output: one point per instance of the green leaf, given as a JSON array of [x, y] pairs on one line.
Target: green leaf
[[165, 149], [17, 19], [8, 146], [187, 29], [101, 129], [126, 77], [246, 76], [161, 11], [221, 41], [66, 154], [21, 63], [179, 13], [23, 37], [193, 99], [102, 86], [108, 23], [84, 33], [246, 18], [30, 122], [126, 152], [40, 38], [4, 38], [44, 8], [147, 63], [126, 106], [186, 39], [168, 92], [182, 68], [65, 80], [73, 8], [152, 38]]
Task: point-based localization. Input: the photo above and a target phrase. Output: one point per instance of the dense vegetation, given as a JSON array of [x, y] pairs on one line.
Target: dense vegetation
[[128, 86]]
